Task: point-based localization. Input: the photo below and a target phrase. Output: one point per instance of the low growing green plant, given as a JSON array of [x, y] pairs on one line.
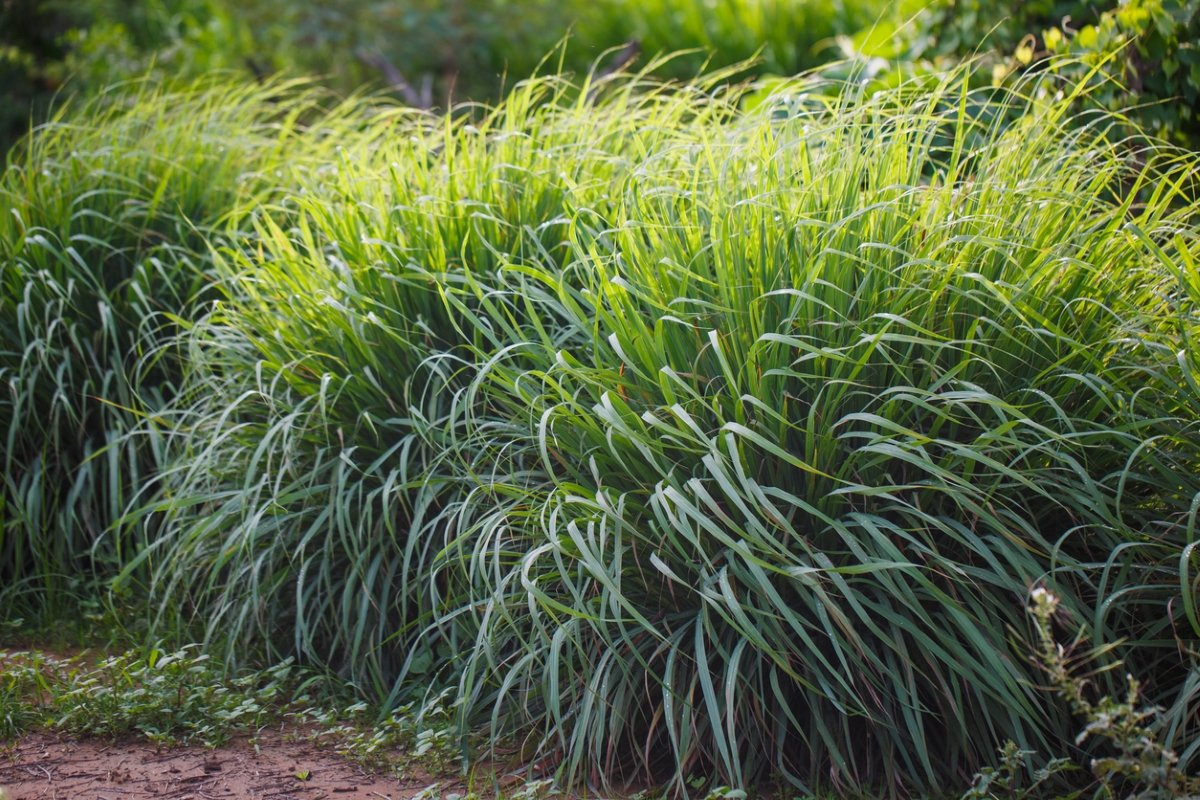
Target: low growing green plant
[[395, 742], [167, 698], [185, 697]]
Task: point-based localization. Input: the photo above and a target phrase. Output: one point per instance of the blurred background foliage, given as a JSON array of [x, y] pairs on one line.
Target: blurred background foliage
[[455, 50], [449, 50]]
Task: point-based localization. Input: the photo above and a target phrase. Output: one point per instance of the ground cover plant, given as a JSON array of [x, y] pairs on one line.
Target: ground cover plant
[[667, 438], [169, 698], [186, 698]]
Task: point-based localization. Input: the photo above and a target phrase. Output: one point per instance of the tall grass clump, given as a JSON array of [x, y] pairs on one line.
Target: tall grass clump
[[679, 440], [837, 393], [103, 244]]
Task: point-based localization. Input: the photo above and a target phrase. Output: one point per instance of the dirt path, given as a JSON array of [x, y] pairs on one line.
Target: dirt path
[[41, 766]]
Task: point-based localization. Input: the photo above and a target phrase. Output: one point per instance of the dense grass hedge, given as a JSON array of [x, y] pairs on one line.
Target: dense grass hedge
[[670, 438]]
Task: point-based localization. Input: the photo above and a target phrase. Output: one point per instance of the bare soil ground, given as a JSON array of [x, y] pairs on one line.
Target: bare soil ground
[[42, 766]]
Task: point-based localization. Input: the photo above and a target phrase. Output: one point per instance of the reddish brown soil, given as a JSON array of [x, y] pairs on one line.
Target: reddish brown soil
[[41, 766]]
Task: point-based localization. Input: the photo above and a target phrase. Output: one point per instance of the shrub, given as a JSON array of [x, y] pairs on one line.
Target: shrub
[[1142, 55]]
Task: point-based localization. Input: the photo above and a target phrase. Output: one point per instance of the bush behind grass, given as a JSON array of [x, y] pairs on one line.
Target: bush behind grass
[[683, 440], [1146, 51]]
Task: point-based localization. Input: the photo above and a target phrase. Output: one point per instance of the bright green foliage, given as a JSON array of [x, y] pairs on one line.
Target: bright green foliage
[[681, 440], [1156, 63]]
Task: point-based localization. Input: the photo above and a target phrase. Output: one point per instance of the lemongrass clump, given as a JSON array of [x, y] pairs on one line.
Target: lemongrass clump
[[681, 440]]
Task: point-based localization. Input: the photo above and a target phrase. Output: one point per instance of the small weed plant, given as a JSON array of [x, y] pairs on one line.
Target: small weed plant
[[1138, 765], [394, 743]]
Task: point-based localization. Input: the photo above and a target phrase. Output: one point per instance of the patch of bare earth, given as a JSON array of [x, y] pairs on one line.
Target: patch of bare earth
[[42, 766]]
